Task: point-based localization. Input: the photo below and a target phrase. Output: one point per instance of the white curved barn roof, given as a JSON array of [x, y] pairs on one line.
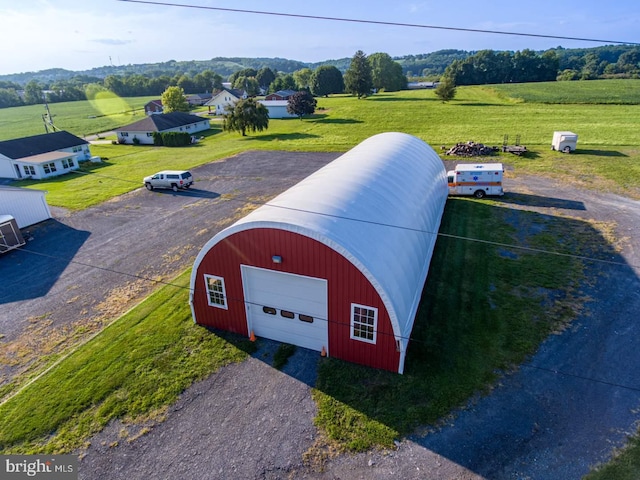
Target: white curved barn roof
[[379, 205]]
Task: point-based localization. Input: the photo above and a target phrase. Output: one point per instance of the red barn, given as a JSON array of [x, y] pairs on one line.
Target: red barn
[[335, 263]]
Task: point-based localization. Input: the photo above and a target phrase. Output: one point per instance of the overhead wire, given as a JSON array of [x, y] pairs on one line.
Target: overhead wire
[[378, 22], [457, 237]]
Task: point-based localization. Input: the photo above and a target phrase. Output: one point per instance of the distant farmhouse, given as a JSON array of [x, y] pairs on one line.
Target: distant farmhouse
[[199, 99], [224, 97], [154, 107], [281, 95], [43, 156], [144, 129]]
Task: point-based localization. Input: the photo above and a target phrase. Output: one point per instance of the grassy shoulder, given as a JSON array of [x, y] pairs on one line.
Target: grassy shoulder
[[133, 369], [484, 309]]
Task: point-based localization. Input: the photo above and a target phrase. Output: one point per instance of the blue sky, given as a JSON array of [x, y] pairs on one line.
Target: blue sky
[[82, 34]]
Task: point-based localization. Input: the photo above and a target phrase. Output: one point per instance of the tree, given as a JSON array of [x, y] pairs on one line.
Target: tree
[[33, 93], [245, 72], [325, 80], [303, 78], [248, 84], [245, 115], [357, 79], [173, 100], [385, 73], [283, 82], [9, 98], [301, 103], [446, 89], [264, 77]]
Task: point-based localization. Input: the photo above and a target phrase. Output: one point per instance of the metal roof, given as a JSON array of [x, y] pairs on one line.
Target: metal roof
[[380, 206]]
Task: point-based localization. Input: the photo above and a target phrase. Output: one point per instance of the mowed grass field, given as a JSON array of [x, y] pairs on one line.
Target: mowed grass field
[[609, 135], [457, 349]]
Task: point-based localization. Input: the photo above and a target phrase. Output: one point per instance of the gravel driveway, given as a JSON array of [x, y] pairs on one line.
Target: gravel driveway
[[562, 412]]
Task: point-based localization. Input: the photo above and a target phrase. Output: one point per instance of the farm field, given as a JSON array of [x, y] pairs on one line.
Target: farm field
[[608, 152], [614, 92]]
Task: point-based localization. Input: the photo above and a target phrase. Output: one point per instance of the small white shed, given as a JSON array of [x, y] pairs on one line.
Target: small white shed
[[26, 205], [277, 108], [564, 142]]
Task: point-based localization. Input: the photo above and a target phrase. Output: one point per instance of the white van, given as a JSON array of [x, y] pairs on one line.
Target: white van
[[173, 179]]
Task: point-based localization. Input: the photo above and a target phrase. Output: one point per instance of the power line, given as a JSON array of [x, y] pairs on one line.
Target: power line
[[378, 22], [340, 323]]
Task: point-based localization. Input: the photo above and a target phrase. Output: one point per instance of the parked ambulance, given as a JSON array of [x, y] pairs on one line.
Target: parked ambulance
[[477, 179]]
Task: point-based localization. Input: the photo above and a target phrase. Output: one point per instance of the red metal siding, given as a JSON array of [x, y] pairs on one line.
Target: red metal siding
[[303, 256]]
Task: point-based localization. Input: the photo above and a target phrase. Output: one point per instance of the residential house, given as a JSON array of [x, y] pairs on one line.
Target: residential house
[[224, 97], [199, 99], [153, 107], [144, 129], [281, 95], [43, 156]]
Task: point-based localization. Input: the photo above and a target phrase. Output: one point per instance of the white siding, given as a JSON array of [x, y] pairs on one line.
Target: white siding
[[27, 206]]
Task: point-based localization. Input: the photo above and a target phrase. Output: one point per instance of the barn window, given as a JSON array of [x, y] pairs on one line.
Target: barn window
[[364, 323], [216, 292]]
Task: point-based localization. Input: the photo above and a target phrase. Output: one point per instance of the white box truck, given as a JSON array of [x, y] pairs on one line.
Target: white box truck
[[564, 142], [477, 179]]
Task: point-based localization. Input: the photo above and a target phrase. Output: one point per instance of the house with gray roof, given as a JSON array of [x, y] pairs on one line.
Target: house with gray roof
[[143, 130], [224, 97], [42, 156]]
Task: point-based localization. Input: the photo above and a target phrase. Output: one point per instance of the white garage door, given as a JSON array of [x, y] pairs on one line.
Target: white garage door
[[285, 307]]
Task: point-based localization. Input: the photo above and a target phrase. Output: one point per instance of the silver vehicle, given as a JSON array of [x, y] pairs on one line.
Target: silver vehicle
[[173, 179]]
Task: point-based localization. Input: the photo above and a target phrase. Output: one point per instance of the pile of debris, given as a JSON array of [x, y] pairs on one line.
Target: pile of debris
[[471, 149]]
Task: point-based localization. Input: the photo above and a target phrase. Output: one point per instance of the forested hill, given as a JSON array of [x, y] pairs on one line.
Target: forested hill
[[420, 65]]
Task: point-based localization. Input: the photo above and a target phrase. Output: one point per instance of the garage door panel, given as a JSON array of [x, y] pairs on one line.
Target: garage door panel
[[296, 294]]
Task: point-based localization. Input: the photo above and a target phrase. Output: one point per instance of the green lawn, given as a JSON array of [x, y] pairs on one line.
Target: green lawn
[[80, 118], [132, 370], [622, 92], [456, 350], [609, 136], [484, 308]]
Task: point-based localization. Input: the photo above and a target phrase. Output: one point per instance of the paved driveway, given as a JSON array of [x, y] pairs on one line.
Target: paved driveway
[[565, 410], [82, 269]]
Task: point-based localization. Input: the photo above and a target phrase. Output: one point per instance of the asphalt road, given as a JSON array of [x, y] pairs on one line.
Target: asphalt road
[[563, 411]]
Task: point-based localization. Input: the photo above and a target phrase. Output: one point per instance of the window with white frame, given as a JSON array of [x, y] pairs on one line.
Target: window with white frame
[[67, 163], [364, 323], [29, 170], [216, 294], [49, 167]]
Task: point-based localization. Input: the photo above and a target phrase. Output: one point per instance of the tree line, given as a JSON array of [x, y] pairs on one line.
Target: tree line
[[324, 80], [387, 73]]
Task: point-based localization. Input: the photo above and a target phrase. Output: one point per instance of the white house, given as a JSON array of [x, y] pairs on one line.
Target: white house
[[144, 129], [224, 97], [26, 205], [277, 108], [42, 156]]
